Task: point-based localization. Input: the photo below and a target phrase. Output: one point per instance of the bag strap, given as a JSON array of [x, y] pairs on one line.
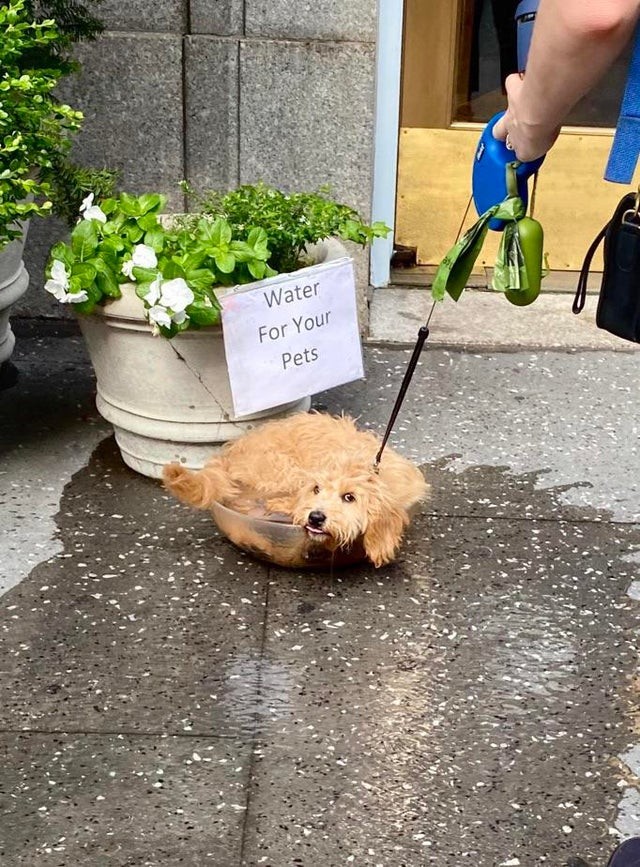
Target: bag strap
[[581, 291], [625, 149]]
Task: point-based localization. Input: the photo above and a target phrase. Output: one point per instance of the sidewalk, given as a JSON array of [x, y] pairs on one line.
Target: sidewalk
[[166, 700]]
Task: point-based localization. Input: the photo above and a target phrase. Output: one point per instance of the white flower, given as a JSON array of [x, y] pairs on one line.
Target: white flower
[[176, 295], [127, 269], [159, 316], [90, 211], [58, 284], [180, 317], [142, 257], [153, 295], [59, 281], [86, 202]]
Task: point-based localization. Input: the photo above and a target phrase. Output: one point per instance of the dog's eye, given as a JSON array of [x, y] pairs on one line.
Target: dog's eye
[[349, 498], [316, 489]]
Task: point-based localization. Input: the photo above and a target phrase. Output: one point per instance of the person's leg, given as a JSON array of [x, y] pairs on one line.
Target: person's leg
[[504, 19]]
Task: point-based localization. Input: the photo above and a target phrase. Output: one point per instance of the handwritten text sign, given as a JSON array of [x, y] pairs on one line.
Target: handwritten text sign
[[291, 336]]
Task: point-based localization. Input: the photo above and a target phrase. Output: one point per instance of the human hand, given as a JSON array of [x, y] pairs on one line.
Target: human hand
[[528, 140]]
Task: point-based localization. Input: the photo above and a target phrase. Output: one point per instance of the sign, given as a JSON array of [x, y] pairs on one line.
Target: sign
[[291, 336]]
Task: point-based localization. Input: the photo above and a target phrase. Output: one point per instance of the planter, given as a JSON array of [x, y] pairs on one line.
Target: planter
[[14, 281], [168, 400]]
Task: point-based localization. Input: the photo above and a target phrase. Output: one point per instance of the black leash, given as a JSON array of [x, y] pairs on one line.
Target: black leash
[[423, 333], [413, 361]]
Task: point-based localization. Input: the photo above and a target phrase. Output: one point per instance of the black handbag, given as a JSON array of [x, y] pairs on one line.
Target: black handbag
[[619, 302]]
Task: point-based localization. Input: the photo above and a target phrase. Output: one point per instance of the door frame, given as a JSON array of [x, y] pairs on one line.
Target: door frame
[[387, 134]]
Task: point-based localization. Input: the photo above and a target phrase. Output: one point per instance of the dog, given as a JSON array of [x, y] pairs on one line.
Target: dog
[[316, 471]]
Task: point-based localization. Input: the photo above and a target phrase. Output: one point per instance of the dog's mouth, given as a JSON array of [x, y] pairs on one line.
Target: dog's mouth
[[316, 532]]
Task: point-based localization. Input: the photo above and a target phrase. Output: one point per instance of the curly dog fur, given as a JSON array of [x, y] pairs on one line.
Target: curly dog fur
[[317, 470]]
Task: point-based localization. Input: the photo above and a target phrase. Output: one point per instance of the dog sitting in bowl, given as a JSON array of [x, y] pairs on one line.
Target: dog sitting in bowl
[[316, 471]]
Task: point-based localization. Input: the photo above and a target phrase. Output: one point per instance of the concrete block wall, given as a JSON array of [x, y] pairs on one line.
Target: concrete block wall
[[222, 92]]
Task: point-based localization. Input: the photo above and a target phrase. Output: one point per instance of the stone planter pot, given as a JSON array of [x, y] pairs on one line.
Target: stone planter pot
[[14, 281], [168, 400]]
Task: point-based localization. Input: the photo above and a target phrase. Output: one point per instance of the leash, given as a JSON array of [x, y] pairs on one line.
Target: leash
[[423, 334]]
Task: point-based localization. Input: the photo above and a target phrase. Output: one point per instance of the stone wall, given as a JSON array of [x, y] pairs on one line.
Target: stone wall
[[223, 92]]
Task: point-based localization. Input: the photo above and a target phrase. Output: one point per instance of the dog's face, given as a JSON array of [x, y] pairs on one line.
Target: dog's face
[[333, 510], [339, 507]]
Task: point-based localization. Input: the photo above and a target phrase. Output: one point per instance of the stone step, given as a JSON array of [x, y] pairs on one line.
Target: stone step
[[487, 321]]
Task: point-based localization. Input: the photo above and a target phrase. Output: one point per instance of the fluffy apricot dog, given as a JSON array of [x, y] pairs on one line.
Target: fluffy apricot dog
[[318, 472]]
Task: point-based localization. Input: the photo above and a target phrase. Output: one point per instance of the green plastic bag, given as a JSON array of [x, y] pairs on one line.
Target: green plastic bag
[[454, 270]]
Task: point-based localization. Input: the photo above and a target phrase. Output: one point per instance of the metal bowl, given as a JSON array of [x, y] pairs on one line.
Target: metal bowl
[[280, 542]]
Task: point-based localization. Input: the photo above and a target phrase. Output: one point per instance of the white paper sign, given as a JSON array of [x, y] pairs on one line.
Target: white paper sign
[[292, 336]]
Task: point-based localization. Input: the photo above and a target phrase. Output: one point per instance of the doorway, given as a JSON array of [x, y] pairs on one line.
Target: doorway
[[456, 54]]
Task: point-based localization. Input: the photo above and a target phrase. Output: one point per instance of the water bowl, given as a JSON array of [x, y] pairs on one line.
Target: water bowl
[[281, 542]]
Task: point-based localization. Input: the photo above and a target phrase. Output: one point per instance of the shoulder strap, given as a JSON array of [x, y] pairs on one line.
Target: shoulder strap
[[581, 291], [626, 141]]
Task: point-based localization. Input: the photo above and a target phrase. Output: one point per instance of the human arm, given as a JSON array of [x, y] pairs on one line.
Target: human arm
[[574, 42]]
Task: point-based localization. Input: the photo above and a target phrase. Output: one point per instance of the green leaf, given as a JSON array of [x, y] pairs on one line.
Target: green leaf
[[203, 315], [206, 231], [380, 230], [107, 284], [148, 222], [145, 275], [151, 202], [242, 251], [193, 261], [134, 233], [142, 289], [221, 234], [154, 238], [112, 244], [199, 278], [172, 269], [257, 269], [108, 206], [62, 252], [225, 262], [85, 307], [129, 205], [85, 273], [84, 239]]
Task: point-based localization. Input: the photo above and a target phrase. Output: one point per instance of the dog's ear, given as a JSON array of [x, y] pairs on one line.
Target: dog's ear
[[401, 481], [383, 535], [200, 489]]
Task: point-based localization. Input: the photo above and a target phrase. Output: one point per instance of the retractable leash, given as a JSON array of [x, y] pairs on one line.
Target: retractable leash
[[492, 156], [495, 177]]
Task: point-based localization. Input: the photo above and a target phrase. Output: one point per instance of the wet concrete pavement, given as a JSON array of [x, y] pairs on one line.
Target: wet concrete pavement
[[165, 699]]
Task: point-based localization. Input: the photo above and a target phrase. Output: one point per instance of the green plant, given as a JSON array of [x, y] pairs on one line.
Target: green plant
[[174, 266], [35, 127], [177, 263], [69, 184], [291, 220], [36, 175]]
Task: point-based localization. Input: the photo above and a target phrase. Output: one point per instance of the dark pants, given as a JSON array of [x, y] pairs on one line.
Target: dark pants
[[504, 22]]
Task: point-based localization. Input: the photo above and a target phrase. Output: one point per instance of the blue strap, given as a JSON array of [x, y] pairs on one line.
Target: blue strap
[[626, 141]]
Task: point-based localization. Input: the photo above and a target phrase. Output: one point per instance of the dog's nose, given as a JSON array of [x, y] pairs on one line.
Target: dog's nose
[[317, 518]]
